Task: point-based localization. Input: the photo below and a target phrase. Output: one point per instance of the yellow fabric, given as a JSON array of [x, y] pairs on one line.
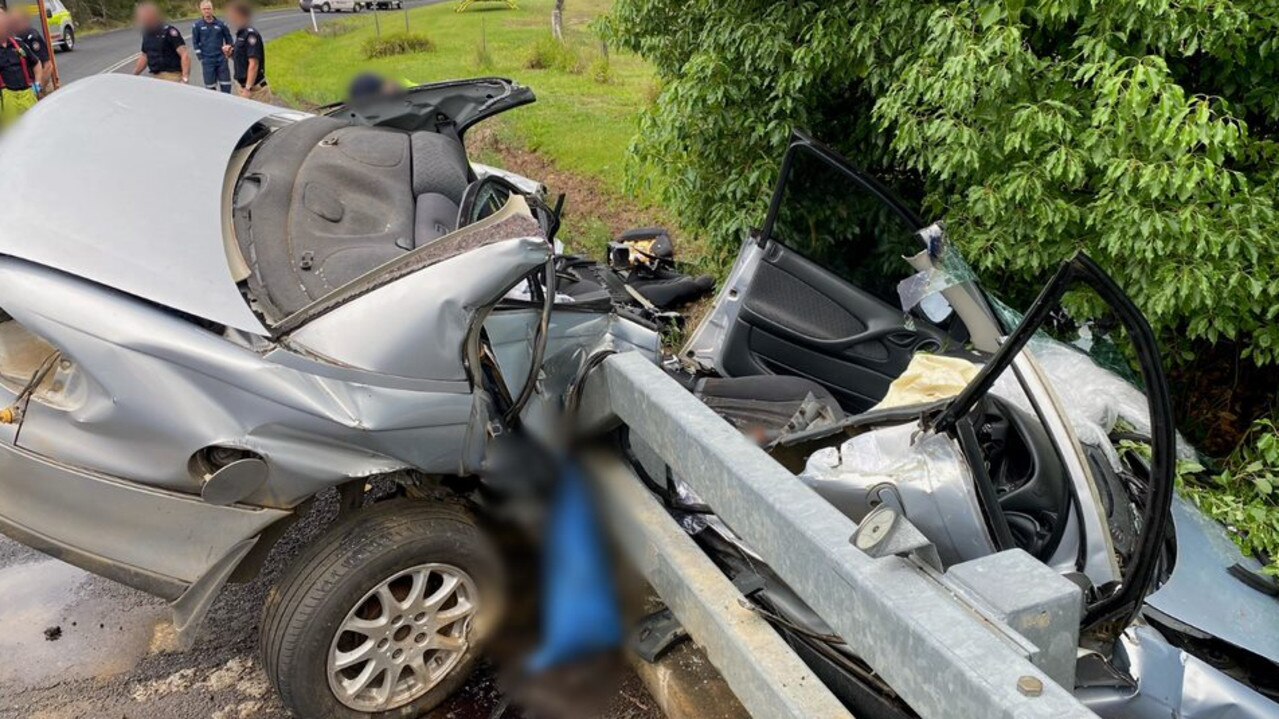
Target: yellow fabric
[[169, 76], [929, 378], [13, 103]]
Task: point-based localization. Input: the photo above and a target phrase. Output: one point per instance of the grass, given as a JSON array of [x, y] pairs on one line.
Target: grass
[[400, 43], [585, 115]]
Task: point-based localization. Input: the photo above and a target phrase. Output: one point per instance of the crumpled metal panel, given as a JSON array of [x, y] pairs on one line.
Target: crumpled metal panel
[[574, 337], [415, 326], [175, 537], [1203, 596], [928, 474], [1173, 684], [159, 388], [158, 148]]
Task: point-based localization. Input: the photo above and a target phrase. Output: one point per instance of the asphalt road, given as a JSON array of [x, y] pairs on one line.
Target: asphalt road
[[115, 51]]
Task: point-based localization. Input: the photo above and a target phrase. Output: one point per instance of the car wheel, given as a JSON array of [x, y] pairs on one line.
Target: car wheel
[[384, 613], [326, 8], [68, 39]]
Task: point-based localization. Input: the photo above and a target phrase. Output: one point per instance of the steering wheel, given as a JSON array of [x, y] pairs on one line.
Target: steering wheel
[[1023, 477]]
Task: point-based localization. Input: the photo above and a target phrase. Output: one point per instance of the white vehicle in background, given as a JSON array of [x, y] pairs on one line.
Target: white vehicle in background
[[330, 5]]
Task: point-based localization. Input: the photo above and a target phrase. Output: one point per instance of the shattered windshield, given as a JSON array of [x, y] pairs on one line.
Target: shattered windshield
[[1096, 352]]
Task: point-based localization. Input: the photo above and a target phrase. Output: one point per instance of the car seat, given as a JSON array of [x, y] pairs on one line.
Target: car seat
[[766, 407]]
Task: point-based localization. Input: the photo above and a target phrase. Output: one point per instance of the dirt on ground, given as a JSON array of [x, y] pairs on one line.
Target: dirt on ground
[[593, 214], [587, 199]]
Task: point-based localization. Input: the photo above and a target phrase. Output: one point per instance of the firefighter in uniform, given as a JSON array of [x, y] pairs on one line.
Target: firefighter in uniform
[[25, 31], [17, 75], [211, 37], [164, 52], [248, 56]]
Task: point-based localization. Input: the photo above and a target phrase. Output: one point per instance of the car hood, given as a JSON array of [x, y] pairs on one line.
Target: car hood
[[119, 180], [1201, 597]]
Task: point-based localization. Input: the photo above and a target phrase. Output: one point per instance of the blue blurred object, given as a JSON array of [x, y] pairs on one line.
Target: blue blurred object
[[580, 615]]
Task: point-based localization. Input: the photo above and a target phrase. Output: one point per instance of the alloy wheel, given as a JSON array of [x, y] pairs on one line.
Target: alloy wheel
[[402, 638]]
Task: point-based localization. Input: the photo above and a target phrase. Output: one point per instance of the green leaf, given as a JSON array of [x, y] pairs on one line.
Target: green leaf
[[991, 13]]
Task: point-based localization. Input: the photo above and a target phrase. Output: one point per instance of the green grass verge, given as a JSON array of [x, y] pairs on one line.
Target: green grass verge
[[581, 124]]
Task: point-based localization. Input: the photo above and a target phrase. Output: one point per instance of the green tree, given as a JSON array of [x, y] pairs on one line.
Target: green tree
[[1141, 131]]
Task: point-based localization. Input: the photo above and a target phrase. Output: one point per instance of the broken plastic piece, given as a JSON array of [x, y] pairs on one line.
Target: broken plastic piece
[[942, 271]]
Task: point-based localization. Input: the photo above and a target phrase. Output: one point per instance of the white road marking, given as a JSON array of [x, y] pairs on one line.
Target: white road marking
[[134, 56]]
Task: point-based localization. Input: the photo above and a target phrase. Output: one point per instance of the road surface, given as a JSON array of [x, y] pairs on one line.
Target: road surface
[[115, 51]]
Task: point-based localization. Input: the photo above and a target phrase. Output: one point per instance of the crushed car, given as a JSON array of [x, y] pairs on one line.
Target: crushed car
[[324, 300]]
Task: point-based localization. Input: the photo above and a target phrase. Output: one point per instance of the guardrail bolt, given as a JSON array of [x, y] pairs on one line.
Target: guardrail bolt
[[1030, 686]]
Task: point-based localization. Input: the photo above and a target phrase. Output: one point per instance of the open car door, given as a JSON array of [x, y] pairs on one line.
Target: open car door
[[814, 294]]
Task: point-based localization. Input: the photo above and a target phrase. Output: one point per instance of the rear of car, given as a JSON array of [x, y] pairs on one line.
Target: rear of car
[[61, 25]]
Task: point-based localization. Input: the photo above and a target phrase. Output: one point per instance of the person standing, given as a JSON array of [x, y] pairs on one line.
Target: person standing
[[248, 55], [24, 30], [17, 75], [164, 52], [211, 37]]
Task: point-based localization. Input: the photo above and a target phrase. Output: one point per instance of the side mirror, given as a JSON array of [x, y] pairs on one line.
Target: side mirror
[[48, 12]]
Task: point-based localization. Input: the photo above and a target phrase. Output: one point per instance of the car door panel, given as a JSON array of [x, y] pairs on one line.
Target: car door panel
[[798, 318]]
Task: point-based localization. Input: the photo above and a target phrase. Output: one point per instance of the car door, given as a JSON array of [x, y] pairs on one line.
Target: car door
[[814, 293]]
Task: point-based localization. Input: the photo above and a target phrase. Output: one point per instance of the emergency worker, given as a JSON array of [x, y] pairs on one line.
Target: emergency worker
[[211, 37], [26, 31], [164, 52], [18, 65], [248, 55]]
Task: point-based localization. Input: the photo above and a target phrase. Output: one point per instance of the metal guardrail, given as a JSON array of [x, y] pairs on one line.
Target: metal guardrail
[[936, 643], [759, 666]]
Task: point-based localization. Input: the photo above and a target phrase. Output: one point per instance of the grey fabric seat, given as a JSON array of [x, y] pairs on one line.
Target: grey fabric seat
[[441, 173], [435, 217], [323, 204]]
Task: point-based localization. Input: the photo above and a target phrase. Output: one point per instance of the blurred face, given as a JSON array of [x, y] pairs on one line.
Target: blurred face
[[5, 22], [238, 17], [147, 16], [206, 9], [17, 22]]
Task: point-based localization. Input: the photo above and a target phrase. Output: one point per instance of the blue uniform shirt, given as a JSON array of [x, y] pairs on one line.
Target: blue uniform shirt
[[208, 38]]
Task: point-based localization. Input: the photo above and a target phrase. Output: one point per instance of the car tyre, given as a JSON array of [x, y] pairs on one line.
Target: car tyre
[[366, 588], [326, 8], [68, 39]]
